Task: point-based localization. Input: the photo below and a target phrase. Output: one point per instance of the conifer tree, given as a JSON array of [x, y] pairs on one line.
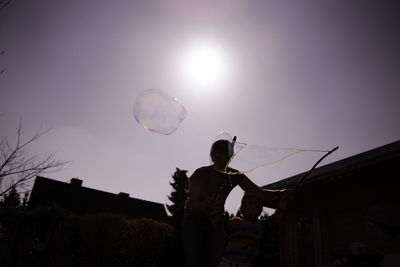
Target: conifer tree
[[12, 199], [178, 196]]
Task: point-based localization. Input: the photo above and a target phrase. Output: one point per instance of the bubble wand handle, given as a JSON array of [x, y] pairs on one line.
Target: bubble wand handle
[[310, 171], [281, 210], [234, 140]]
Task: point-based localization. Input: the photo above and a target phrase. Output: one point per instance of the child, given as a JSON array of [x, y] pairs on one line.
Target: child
[[244, 234]]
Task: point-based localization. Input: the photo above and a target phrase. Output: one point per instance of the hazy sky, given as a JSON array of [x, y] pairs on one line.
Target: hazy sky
[[308, 74]]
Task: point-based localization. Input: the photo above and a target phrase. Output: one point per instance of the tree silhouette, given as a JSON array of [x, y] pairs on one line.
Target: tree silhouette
[[178, 196], [12, 199], [17, 167]]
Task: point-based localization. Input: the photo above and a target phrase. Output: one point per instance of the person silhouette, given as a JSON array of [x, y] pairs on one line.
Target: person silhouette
[[204, 237]]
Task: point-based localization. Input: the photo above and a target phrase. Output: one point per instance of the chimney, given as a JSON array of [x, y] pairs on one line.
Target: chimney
[[122, 194], [76, 182]]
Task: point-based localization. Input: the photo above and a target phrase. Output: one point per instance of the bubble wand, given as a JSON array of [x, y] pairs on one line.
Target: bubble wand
[[244, 146]]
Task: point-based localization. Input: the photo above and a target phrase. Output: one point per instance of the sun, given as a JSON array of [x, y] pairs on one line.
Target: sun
[[204, 64]]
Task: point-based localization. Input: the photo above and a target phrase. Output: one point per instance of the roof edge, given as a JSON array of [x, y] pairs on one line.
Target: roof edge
[[358, 161]]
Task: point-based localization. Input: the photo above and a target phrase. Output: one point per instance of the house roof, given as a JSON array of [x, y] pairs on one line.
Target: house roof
[[73, 196], [347, 165]]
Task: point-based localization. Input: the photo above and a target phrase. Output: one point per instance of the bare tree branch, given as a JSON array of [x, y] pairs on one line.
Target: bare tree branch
[[17, 168], [4, 3]]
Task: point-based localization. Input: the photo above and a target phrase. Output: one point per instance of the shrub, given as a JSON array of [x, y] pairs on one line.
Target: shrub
[[53, 237]]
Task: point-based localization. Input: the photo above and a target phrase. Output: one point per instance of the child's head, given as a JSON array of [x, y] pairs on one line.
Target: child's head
[[250, 207]]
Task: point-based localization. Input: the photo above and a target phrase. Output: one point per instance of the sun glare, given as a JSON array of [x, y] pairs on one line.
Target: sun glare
[[204, 64]]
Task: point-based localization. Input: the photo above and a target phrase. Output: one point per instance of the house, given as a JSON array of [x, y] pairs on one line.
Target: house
[[76, 198], [346, 211]]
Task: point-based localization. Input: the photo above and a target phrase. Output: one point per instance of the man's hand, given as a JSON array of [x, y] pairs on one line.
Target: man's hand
[[285, 195]]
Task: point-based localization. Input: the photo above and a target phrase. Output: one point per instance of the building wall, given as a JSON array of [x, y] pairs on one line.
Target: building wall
[[328, 217]]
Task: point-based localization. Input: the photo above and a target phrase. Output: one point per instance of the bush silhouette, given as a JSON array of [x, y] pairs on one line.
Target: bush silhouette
[[53, 237]]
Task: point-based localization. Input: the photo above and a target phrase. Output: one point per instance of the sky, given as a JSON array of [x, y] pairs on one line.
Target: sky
[[302, 74]]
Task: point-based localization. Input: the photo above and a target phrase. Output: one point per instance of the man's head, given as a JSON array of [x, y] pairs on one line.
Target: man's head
[[221, 152]]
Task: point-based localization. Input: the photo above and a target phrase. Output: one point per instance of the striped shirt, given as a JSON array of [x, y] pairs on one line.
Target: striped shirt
[[243, 239]]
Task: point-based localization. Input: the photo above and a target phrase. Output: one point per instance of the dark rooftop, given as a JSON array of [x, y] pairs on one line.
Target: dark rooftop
[[74, 197], [339, 168]]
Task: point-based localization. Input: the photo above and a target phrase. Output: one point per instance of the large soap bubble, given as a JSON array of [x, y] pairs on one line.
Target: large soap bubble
[[158, 112], [223, 136], [246, 158]]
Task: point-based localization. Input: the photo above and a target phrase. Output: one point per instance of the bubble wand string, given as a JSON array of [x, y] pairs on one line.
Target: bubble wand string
[[273, 162]]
